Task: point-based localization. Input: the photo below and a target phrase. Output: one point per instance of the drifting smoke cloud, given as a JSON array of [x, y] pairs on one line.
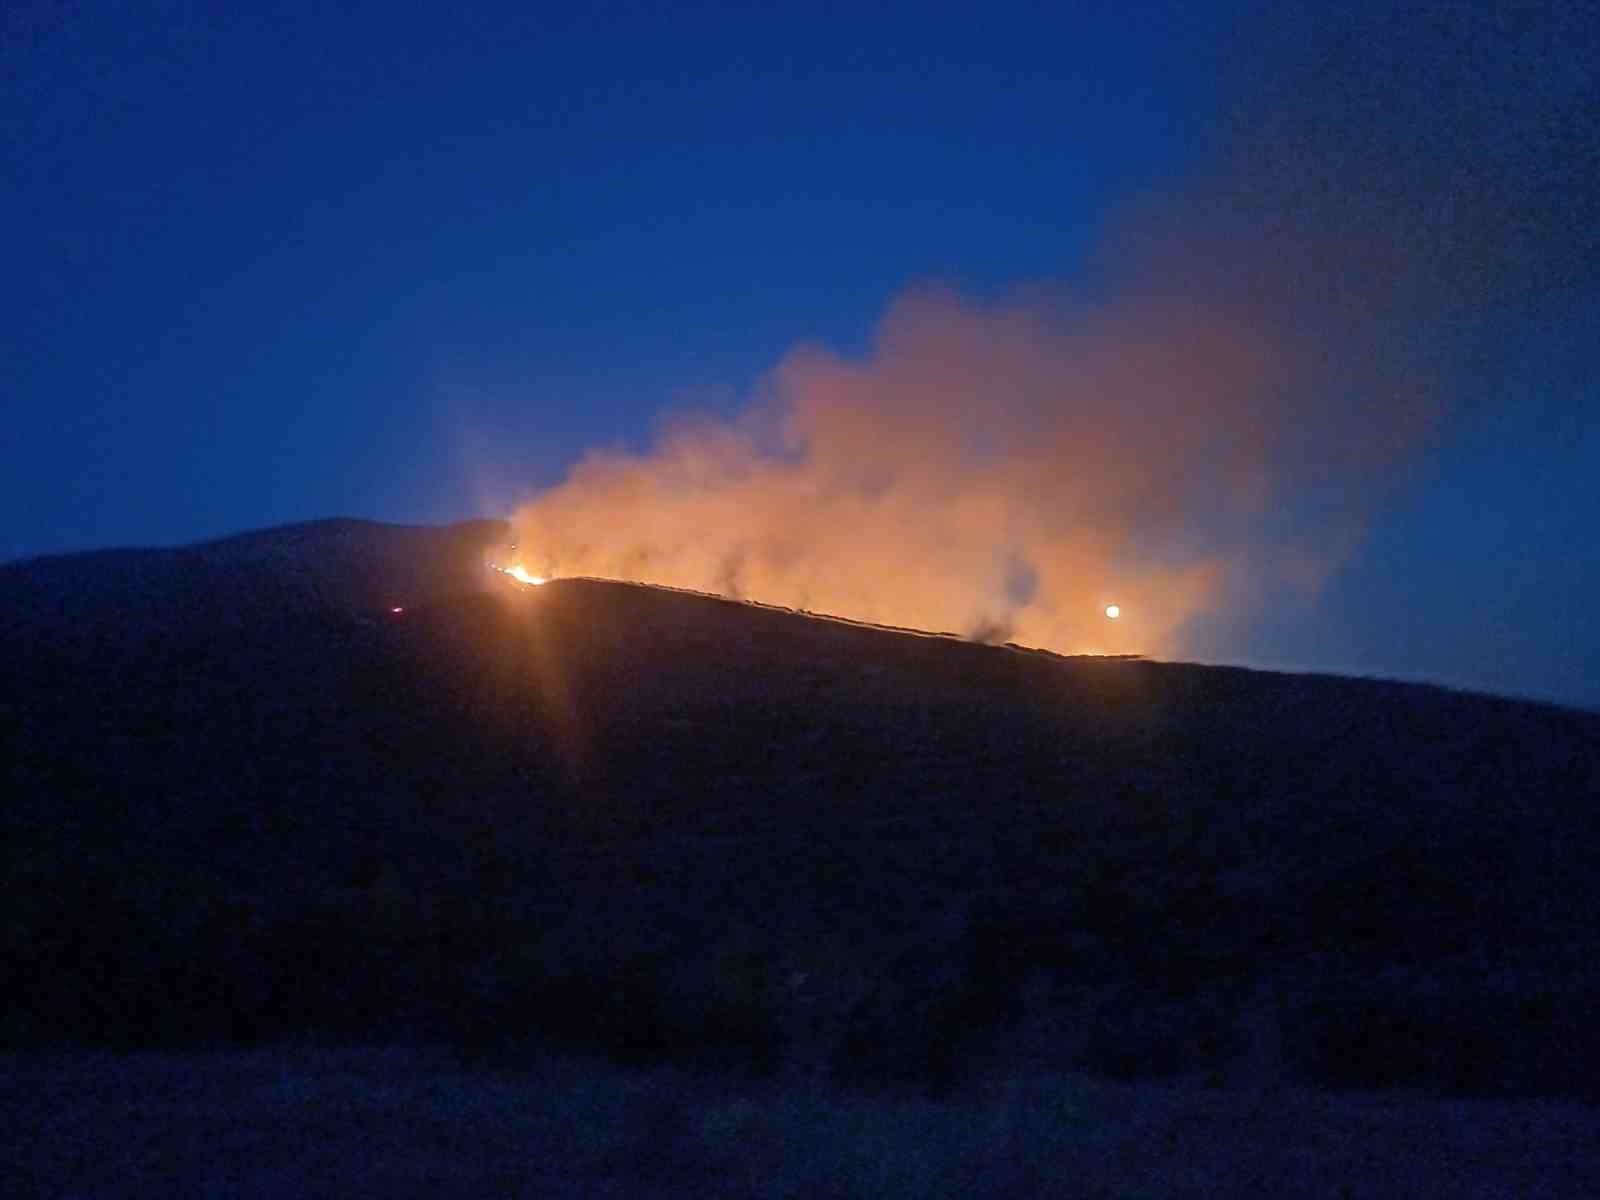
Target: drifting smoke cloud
[[1265, 352], [984, 471]]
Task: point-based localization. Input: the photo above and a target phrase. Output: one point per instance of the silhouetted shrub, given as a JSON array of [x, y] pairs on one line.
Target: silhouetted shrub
[[888, 1041], [1462, 1040], [742, 1034], [1133, 1036], [621, 1003], [922, 1027]]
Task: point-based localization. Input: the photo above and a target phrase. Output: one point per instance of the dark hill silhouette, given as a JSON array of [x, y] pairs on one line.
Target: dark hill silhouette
[[338, 566], [248, 802]]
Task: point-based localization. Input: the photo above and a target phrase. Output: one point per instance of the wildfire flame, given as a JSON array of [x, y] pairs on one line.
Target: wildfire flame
[[521, 574]]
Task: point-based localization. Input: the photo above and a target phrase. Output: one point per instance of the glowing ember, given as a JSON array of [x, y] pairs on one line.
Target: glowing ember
[[1113, 611]]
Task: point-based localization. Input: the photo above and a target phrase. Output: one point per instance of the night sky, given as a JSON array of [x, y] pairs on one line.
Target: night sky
[[269, 263]]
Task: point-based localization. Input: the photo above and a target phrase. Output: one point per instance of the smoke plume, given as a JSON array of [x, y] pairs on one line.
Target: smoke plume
[[1260, 354]]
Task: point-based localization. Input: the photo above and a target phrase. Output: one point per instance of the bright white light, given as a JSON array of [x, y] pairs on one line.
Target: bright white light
[[1113, 611]]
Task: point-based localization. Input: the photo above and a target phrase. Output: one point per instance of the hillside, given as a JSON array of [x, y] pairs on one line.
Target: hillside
[[249, 802], [331, 567]]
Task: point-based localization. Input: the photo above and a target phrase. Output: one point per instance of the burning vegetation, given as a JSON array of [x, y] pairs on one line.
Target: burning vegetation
[[521, 575]]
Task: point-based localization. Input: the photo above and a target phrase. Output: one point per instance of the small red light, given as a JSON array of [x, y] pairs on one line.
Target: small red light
[[397, 609]]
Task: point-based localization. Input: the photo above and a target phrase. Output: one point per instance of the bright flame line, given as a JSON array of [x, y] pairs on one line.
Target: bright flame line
[[520, 574]]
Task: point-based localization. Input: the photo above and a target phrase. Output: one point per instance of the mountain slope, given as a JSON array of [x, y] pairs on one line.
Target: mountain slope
[[333, 566], [664, 824]]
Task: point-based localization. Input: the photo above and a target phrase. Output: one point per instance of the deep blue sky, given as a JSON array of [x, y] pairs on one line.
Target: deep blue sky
[[267, 263]]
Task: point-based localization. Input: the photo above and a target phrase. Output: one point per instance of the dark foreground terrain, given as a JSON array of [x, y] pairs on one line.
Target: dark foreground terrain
[[248, 805], [413, 1124]]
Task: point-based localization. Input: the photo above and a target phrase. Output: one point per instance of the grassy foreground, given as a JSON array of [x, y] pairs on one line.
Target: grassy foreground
[[394, 1123]]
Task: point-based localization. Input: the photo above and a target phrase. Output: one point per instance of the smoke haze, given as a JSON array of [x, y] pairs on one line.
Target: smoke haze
[[1261, 353]]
